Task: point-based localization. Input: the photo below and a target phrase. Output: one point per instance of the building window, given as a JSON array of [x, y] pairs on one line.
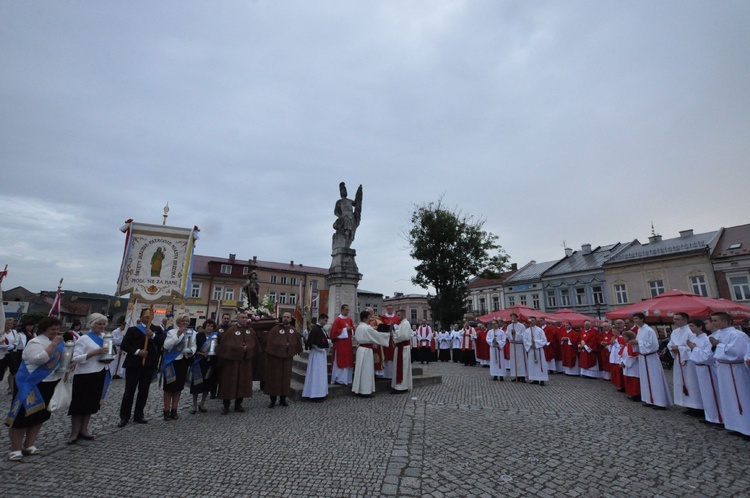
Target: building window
[[283, 280], [469, 305], [414, 316], [740, 288], [229, 294], [218, 291], [580, 296], [293, 281], [511, 301], [621, 293], [565, 297], [375, 307], [482, 306], [523, 300], [698, 283], [598, 293], [292, 298], [535, 301], [227, 269], [272, 296], [314, 284], [656, 287], [495, 303], [195, 291], [315, 302], [272, 279], [424, 314], [246, 270], [551, 299], [282, 298]]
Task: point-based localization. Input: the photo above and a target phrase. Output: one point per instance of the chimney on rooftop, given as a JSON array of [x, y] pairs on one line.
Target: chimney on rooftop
[[654, 238], [255, 260], [532, 262], [232, 257], [291, 263], [514, 266], [568, 252], [686, 233], [586, 249]]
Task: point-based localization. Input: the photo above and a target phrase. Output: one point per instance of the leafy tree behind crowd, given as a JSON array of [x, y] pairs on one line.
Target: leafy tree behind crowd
[[451, 247]]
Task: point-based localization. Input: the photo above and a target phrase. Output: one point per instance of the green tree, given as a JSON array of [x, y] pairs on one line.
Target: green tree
[[451, 247]]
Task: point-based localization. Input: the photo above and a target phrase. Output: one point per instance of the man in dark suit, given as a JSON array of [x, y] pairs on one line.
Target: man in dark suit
[[142, 345]]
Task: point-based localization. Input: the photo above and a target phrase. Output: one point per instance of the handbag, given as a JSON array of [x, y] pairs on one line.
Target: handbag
[[61, 397]]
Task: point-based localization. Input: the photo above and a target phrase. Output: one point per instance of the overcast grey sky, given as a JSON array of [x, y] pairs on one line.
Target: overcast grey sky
[[556, 121]]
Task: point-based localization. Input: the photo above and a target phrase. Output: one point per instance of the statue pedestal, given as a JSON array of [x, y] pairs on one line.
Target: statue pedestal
[[343, 279]]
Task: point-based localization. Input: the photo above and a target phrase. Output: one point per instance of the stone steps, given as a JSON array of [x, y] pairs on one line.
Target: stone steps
[[299, 368]]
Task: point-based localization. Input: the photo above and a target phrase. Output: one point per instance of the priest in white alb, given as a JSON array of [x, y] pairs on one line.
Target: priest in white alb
[[364, 372], [534, 341], [496, 340], [654, 388], [730, 350], [517, 363], [702, 359], [684, 376], [401, 380]]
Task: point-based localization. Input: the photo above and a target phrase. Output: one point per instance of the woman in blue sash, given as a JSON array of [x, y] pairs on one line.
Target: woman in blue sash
[[35, 383], [177, 356], [203, 366], [91, 380]]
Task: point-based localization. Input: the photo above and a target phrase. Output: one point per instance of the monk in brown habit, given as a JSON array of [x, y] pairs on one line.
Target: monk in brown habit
[[280, 344], [236, 351]]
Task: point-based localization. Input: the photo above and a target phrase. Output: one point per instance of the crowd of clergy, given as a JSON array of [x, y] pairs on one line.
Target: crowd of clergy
[[711, 372]]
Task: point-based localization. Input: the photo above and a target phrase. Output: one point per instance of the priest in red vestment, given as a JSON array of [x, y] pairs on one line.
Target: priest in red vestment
[[588, 351], [569, 339], [482, 348], [341, 334]]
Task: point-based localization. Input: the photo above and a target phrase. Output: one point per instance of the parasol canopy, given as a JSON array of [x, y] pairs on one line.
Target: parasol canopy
[[662, 308], [523, 312], [575, 319]]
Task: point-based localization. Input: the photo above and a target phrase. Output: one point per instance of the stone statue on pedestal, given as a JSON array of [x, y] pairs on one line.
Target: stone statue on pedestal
[[348, 214], [343, 275]]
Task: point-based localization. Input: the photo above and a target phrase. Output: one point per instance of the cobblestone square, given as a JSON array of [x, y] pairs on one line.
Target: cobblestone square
[[468, 436]]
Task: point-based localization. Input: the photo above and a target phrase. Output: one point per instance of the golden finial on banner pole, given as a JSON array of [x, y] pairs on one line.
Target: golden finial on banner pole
[[166, 213], [59, 286]]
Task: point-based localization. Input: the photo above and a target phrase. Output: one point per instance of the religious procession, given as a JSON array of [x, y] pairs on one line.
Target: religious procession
[[710, 372]]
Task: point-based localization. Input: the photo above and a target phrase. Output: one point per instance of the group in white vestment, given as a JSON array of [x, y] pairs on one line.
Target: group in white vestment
[[684, 376], [702, 359], [654, 388], [517, 362], [496, 339], [456, 336], [534, 341], [363, 383], [730, 351], [444, 345], [316, 376], [401, 381]]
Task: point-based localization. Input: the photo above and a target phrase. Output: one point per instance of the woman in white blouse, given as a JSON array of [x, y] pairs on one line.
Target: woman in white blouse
[[34, 386], [91, 378], [177, 354]]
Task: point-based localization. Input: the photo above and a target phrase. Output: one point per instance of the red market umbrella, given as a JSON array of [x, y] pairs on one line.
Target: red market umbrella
[[523, 312], [575, 319], [662, 308]]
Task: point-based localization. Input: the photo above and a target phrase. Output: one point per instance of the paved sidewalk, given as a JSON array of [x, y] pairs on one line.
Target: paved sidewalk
[[468, 436]]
